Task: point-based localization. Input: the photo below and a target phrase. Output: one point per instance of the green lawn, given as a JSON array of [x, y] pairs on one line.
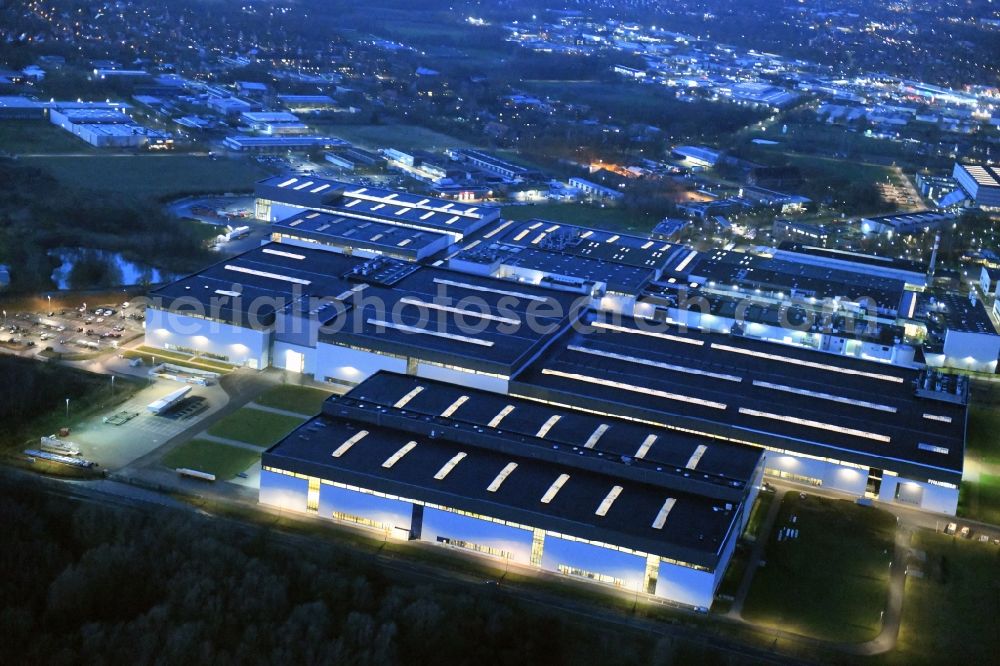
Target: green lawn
[[758, 513], [401, 137], [826, 139], [984, 433], [214, 364], [38, 136], [980, 499], [585, 215], [152, 176], [160, 353], [950, 615], [298, 399], [180, 359], [828, 168], [730, 583], [433, 30], [220, 459], [831, 582], [255, 426], [37, 392]]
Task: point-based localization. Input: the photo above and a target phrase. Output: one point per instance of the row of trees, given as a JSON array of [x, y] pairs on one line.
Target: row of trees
[[100, 585], [30, 389]]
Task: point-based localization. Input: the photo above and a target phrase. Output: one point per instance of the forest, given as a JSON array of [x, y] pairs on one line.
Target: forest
[[104, 584], [39, 214]]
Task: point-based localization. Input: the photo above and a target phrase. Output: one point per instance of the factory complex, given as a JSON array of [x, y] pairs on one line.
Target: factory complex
[[584, 402]]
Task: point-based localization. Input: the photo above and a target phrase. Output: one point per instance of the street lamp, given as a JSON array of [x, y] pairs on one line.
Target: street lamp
[[67, 408]]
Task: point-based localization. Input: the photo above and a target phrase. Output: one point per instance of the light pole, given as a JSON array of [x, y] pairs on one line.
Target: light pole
[[49, 296], [112, 386], [67, 408]]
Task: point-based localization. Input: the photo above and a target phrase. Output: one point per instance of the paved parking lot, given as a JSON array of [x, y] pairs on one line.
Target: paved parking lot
[[138, 431], [86, 328]]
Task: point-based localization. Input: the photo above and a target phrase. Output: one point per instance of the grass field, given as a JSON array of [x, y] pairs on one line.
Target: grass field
[[298, 399], [430, 30], [177, 358], [46, 387], [151, 176], [837, 169], [222, 460], [38, 136], [980, 495], [831, 582], [645, 100], [950, 615], [821, 138], [255, 426], [758, 513], [402, 137], [731, 580], [588, 216], [984, 433], [980, 500]]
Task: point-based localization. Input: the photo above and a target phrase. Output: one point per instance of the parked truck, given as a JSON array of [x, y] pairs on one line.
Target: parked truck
[[232, 234], [168, 402], [53, 444]]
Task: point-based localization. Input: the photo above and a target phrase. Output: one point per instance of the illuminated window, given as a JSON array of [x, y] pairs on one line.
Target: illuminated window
[[476, 547], [590, 575]]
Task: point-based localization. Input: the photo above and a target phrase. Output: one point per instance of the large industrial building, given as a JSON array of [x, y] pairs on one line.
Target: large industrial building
[[604, 499], [343, 318], [907, 224], [105, 128], [580, 401], [370, 238], [825, 420], [280, 197], [980, 182]]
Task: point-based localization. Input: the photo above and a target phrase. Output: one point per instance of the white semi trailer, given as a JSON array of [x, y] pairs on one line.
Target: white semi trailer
[[164, 404]]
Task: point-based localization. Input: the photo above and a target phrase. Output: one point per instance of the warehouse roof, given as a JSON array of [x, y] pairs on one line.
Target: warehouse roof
[[496, 472], [476, 323], [619, 278], [847, 258], [228, 291], [384, 305], [269, 117], [607, 246], [984, 174], [727, 268], [800, 315], [954, 312], [718, 463], [380, 236], [770, 394], [400, 208]]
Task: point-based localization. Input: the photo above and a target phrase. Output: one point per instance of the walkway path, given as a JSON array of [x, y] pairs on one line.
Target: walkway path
[[756, 554], [231, 442], [277, 410]]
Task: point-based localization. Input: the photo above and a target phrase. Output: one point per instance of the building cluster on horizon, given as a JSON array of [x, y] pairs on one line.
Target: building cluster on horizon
[[101, 124], [483, 428], [700, 69]]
